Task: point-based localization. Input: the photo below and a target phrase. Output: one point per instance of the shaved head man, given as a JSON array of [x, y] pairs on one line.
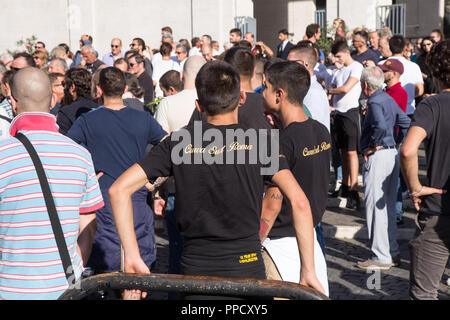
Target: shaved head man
[[31, 90]]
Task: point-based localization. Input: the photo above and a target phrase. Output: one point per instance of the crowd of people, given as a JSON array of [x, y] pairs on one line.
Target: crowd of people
[[107, 131]]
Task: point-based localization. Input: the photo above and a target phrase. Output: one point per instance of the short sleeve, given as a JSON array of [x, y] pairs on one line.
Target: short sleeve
[[356, 70], [77, 131], [158, 161], [423, 117], [156, 132], [92, 199], [283, 155]]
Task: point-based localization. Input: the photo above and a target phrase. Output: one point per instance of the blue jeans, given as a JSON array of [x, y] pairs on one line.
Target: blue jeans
[[175, 240], [320, 238]]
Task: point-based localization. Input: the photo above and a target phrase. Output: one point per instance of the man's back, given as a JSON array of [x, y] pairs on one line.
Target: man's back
[[317, 102], [68, 114], [30, 265]]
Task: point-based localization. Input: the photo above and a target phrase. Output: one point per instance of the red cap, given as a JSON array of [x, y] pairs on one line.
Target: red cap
[[392, 65]]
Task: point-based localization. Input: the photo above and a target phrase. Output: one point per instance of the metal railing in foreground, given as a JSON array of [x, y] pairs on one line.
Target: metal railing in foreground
[[192, 285]]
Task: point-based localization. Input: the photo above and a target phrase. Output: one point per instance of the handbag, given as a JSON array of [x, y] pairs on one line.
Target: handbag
[[51, 208]]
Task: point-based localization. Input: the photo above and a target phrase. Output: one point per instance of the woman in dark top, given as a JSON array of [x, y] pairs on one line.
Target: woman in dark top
[[427, 43]]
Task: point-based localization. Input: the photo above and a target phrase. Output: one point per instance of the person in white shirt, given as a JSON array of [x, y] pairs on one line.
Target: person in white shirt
[[411, 79], [182, 54], [345, 89], [160, 67], [196, 47], [316, 99]]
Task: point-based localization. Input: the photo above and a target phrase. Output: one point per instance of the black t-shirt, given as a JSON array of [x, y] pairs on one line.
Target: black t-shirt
[[68, 114], [433, 115], [307, 147], [369, 54], [146, 83], [250, 114], [218, 206]]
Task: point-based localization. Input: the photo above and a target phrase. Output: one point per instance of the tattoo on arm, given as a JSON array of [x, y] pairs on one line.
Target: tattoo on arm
[[276, 196]]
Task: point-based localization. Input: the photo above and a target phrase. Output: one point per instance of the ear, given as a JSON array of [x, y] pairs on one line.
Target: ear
[[99, 91], [172, 90], [14, 105], [124, 91], [53, 101], [199, 107], [280, 95], [242, 99]]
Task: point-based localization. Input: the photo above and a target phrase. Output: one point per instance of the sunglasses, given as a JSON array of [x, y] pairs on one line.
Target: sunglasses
[[115, 46], [133, 45], [36, 47], [178, 52], [132, 64]]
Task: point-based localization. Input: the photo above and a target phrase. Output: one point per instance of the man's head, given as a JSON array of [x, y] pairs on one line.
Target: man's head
[[374, 38], [372, 79], [243, 60], [438, 60], [436, 34], [31, 90], [22, 60], [235, 35], [218, 88], [167, 38], [304, 55], [341, 52], [136, 64], [111, 82], [392, 69], [206, 38], [39, 46], [77, 83], [196, 42], [165, 49], [283, 35], [88, 54], [40, 58], [250, 37], [116, 47], [285, 82], [313, 32], [121, 64], [360, 39], [397, 45], [57, 81], [181, 52], [166, 29], [384, 47], [190, 70], [58, 65], [207, 51], [6, 82], [170, 83], [138, 45]]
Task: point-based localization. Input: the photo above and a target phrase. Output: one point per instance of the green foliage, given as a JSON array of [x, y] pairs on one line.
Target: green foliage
[[26, 45], [153, 106]]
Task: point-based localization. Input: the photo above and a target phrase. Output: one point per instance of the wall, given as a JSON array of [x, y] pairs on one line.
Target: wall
[[56, 21]]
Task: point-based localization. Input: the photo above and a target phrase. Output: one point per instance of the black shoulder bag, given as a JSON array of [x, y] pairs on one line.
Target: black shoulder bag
[[51, 208]]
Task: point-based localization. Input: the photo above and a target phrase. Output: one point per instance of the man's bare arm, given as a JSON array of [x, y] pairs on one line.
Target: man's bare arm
[[88, 227], [270, 209], [345, 88]]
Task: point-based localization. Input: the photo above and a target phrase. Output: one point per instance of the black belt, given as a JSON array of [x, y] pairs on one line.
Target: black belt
[[388, 147]]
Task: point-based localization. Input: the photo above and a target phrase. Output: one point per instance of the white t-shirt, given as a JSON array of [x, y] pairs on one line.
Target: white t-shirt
[[4, 126], [174, 112], [350, 100], [410, 77], [195, 52], [317, 103], [159, 69]]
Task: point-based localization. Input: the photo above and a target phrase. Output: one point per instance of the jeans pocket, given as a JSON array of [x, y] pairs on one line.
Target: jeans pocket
[[420, 222]]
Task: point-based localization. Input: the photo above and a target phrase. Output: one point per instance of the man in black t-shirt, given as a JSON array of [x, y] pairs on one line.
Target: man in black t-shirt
[[306, 144], [430, 124], [251, 113], [218, 203]]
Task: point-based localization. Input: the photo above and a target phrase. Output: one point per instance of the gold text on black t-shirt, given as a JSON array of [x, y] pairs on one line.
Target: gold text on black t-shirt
[[317, 149]]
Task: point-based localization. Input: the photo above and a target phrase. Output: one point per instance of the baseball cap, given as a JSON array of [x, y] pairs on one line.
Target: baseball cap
[[392, 65]]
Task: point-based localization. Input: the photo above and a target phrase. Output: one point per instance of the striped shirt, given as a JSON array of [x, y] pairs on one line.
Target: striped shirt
[[30, 265]]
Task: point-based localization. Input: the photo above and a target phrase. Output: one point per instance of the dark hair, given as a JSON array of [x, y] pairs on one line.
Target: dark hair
[[194, 41], [133, 85], [112, 82], [308, 44], [131, 53], [283, 31], [218, 87], [397, 44], [28, 58], [244, 44], [139, 58], [186, 44], [441, 35], [309, 52], [40, 42], [165, 49], [81, 79], [54, 76], [120, 61], [7, 76], [291, 77], [363, 34], [242, 59], [237, 31], [167, 29], [171, 79], [208, 36], [438, 60], [312, 29], [140, 41], [339, 46]]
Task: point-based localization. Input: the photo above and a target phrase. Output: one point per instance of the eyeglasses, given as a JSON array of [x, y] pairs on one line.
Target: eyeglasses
[[114, 46], [179, 52], [37, 47], [132, 64], [133, 44], [36, 58]]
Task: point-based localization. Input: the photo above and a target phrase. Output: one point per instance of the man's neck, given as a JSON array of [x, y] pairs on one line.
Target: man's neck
[[292, 113], [166, 58], [223, 119], [138, 74], [246, 84], [361, 50], [114, 103], [392, 83], [398, 55], [348, 62]]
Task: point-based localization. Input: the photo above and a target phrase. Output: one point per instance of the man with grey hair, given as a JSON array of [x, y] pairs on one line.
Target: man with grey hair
[[58, 65], [380, 169], [182, 54], [89, 58]]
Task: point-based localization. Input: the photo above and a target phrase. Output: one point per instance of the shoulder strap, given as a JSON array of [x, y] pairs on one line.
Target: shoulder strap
[[51, 208], [5, 118]]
